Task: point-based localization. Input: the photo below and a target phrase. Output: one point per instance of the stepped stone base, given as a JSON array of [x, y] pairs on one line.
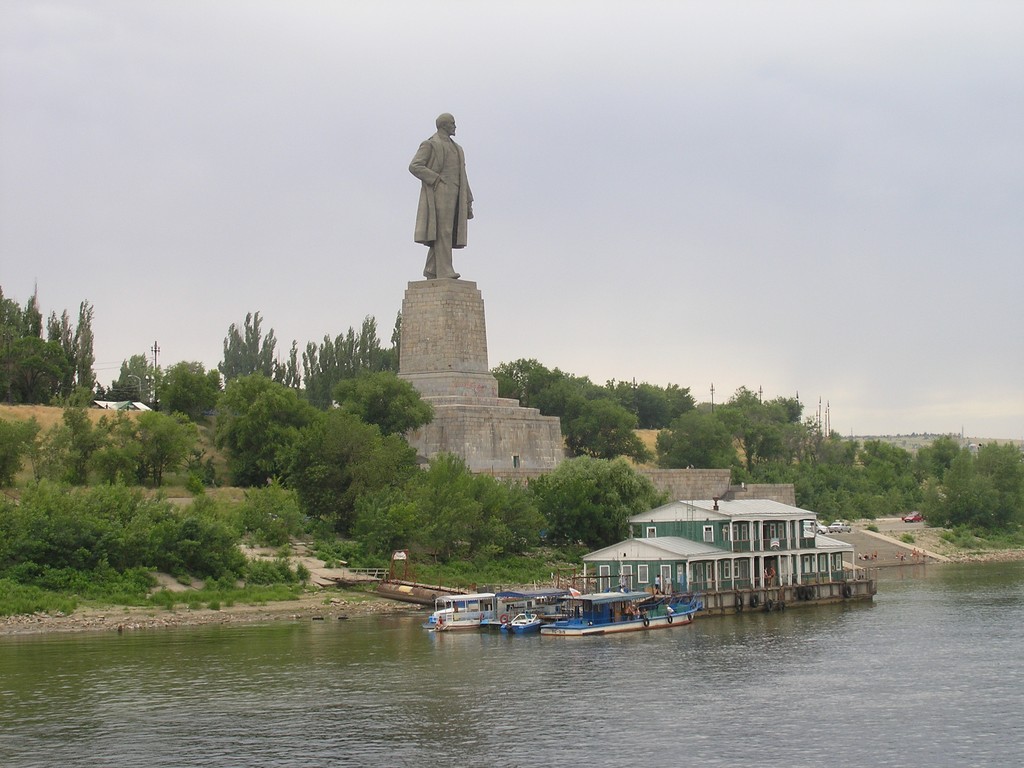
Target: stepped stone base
[[491, 438], [444, 356]]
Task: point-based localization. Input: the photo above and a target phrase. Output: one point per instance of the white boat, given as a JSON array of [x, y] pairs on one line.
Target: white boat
[[545, 602], [607, 613], [522, 624], [455, 612]]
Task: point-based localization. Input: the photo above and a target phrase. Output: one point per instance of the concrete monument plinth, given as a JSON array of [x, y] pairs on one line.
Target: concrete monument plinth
[[444, 355]]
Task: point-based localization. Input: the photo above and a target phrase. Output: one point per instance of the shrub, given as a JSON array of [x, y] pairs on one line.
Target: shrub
[[271, 515], [266, 572]]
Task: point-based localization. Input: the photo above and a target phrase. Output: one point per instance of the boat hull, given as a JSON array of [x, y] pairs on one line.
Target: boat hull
[[522, 629], [578, 628]]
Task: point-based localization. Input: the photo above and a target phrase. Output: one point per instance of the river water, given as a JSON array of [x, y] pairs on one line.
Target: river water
[[931, 673]]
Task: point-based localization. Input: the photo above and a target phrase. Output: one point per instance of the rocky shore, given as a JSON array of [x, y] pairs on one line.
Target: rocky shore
[[312, 607]]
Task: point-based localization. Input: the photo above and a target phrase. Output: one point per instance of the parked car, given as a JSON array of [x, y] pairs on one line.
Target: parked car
[[840, 526], [820, 528], [914, 517]]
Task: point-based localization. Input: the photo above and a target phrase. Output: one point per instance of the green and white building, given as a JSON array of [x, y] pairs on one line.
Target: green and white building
[[737, 546]]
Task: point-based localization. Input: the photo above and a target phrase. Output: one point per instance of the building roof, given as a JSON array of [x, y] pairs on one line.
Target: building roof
[[656, 548], [825, 542], [121, 405], [737, 509]]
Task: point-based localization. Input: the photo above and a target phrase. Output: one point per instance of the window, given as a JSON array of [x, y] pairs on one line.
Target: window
[[642, 575], [604, 573], [709, 534], [726, 568], [626, 576], [652, 532], [515, 461]]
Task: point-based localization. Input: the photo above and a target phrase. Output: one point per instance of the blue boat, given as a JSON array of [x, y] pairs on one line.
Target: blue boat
[[607, 613], [522, 624]]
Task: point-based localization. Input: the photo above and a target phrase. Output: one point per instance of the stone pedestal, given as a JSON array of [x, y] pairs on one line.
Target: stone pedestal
[[444, 355]]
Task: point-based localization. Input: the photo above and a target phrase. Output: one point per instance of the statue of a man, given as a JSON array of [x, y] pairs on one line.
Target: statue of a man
[[446, 203]]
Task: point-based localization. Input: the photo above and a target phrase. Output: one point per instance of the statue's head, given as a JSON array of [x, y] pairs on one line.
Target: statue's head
[[446, 122]]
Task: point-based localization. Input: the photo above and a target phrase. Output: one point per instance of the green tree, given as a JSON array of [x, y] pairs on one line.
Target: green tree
[[387, 519], [337, 458], [450, 515], [83, 356], [271, 514], [965, 497], [654, 407], [524, 380], [604, 429], [383, 399], [344, 357], [1001, 465], [933, 460], [696, 439], [888, 484], [38, 369], [164, 443], [135, 382], [190, 389], [68, 447], [247, 351], [765, 430], [60, 331], [118, 459], [258, 423], [588, 501], [16, 439]]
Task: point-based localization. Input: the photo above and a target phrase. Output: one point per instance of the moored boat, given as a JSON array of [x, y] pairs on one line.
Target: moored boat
[[545, 602], [606, 613], [522, 624], [455, 612]]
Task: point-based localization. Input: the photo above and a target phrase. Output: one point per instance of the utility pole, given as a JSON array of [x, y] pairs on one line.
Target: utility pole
[[156, 351], [712, 397], [10, 367]]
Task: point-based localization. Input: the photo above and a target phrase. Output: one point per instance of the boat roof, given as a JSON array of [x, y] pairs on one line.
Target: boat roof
[[526, 594], [601, 598], [473, 596]]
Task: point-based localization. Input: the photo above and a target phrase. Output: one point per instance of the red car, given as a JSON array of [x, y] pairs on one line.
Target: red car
[[914, 517]]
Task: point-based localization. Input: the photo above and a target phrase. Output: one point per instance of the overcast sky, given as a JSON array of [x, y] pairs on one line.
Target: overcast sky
[[798, 197]]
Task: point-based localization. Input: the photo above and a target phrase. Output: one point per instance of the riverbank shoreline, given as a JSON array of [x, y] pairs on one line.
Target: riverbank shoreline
[[318, 606], [323, 605]]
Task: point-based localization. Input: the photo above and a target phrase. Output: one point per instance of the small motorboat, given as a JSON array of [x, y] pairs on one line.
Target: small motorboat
[[522, 624]]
